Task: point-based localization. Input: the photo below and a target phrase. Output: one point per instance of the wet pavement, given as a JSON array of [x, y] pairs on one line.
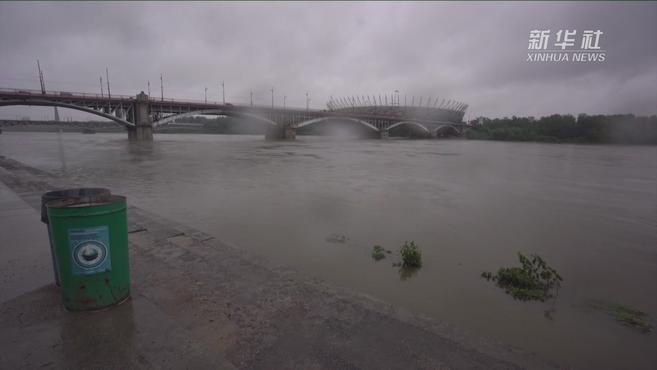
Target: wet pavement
[[22, 240], [198, 302]]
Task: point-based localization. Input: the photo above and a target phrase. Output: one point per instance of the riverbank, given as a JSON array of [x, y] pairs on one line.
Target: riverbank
[[201, 303], [584, 129]]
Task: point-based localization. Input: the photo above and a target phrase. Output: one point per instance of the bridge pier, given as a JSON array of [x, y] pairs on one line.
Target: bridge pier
[[281, 133], [143, 128], [383, 133]]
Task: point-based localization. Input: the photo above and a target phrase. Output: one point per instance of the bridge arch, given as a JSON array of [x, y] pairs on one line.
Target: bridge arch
[[46, 103], [322, 119], [411, 123], [169, 119], [445, 130]]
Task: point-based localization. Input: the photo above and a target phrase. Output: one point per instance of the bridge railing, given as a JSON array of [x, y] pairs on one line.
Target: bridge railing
[[210, 104], [61, 94], [118, 97]]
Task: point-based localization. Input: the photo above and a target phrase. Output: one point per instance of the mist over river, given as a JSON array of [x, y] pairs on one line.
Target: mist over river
[[589, 210]]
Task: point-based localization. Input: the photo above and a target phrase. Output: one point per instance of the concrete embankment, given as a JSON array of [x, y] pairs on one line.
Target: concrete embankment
[[200, 303]]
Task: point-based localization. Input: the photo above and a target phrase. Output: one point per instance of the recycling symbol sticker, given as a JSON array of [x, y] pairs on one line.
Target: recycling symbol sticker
[[90, 252]]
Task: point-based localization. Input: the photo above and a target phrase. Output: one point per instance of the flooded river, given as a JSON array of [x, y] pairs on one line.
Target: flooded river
[[590, 211]]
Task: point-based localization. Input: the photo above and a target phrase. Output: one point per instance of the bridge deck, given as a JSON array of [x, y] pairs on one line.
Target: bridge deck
[[180, 106]]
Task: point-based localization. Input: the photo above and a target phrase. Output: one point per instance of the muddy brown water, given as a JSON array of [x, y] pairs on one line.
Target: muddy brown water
[[589, 210]]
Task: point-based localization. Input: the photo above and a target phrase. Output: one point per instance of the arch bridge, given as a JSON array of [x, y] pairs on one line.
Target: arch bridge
[[141, 113]]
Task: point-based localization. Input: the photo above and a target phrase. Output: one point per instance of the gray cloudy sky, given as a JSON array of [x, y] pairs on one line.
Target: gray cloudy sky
[[472, 52]]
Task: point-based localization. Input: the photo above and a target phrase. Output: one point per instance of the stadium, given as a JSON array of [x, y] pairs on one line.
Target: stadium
[[408, 117], [429, 109]]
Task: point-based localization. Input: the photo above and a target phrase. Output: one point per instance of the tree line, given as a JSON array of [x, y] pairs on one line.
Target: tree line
[[610, 129]]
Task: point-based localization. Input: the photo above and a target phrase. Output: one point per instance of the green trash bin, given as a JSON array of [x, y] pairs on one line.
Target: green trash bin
[[63, 194], [90, 237]]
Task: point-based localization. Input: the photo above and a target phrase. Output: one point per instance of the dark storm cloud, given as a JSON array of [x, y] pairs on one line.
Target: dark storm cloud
[[473, 52]]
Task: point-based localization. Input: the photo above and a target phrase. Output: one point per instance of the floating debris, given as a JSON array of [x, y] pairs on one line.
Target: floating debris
[[336, 238]]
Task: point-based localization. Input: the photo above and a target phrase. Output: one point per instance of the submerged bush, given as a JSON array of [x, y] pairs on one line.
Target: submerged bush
[[411, 254], [534, 280], [378, 253]]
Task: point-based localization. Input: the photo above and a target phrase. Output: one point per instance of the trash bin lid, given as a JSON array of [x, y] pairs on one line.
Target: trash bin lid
[[84, 201], [89, 193]]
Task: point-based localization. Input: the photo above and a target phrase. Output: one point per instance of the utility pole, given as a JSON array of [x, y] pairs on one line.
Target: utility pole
[[161, 88], [272, 98], [206, 95], [43, 85], [251, 98], [101, 87], [307, 101], [284, 97], [109, 94], [223, 93], [43, 88]]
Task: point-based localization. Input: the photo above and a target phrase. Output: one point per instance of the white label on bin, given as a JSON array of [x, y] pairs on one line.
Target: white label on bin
[[90, 252]]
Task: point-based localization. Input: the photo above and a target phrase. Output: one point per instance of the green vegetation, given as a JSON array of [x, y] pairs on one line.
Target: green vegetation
[[411, 254], [625, 315], [534, 280], [378, 253], [617, 129]]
